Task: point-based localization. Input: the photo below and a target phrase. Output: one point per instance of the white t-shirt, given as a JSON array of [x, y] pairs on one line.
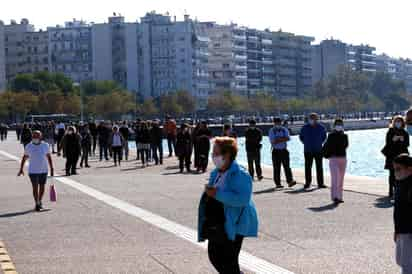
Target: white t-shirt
[[37, 157]]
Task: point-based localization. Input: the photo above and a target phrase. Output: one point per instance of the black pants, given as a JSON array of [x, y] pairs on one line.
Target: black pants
[[309, 157], [157, 151], [184, 161], [280, 157], [144, 155], [171, 143], [103, 151], [253, 159], [85, 156], [225, 256], [94, 144], [71, 163], [117, 154], [392, 182]]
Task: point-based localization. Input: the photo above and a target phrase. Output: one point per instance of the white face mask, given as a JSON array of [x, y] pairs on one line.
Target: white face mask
[[312, 122], [70, 132], [36, 141], [339, 128], [218, 161]]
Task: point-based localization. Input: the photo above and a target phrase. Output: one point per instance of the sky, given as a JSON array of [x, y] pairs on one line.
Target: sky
[[385, 25]]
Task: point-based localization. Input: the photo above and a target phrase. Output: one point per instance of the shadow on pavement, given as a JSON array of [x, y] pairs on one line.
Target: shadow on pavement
[[16, 214], [331, 206], [268, 190], [300, 190], [383, 202], [171, 167], [130, 169]]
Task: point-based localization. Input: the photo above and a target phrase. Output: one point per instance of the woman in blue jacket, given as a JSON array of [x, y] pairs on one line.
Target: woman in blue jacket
[[227, 213]]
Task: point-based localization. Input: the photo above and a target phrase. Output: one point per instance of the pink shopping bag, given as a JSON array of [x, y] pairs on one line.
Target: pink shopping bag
[[53, 193]]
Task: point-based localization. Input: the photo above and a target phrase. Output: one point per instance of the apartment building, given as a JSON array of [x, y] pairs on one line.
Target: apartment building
[[330, 54], [115, 52], [3, 82], [397, 68], [173, 56], [70, 50]]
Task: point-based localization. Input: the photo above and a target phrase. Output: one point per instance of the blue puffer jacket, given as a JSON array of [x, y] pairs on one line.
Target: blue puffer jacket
[[235, 195]]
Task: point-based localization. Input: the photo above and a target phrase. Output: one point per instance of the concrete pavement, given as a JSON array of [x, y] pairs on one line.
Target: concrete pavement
[[300, 231]]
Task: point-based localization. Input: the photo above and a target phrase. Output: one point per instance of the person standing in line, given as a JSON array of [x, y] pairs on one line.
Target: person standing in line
[[171, 134], [93, 133], [253, 136], [334, 149], [116, 142], [39, 154], [125, 131], [26, 135], [313, 135], [86, 141], [278, 137], [71, 145], [156, 138], [184, 147], [402, 165], [103, 137], [397, 142], [227, 213], [61, 129]]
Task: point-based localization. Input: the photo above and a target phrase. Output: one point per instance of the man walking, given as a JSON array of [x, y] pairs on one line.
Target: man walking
[[253, 137], [278, 137], [39, 154], [313, 135]]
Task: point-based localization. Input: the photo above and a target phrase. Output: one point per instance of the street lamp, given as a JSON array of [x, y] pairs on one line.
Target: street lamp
[[81, 100]]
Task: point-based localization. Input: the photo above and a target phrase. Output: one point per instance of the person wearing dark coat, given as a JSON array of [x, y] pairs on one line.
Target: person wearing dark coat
[[26, 135], [103, 133], [143, 143], [156, 138], [397, 142], [86, 142], [93, 132], [201, 140], [184, 147], [253, 136], [71, 145]]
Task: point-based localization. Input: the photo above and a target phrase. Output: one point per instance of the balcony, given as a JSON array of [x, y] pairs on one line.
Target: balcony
[[253, 38], [267, 52], [239, 47], [239, 37], [241, 67], [241, 77], [267, 42], [267, 61], [240, 57], [268, 71]]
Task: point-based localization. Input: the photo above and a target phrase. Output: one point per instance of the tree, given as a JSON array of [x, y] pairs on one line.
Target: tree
[[42, 81], [169, 105], [91, 88], [148, 107], [51, 102], [186, 101]]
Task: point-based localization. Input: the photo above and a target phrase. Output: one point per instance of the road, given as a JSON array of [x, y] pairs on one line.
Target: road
[[132, 220]]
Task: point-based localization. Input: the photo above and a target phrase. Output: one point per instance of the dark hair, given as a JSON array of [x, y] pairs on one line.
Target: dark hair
[[227, 145], [338, 121], [277, 120], [252, 122], [226, 126], [404, 160]]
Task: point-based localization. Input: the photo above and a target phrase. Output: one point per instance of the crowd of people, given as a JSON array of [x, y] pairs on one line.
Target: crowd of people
[[228, 194]]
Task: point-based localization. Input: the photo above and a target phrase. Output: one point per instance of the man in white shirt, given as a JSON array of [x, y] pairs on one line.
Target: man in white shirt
[[39, 154]]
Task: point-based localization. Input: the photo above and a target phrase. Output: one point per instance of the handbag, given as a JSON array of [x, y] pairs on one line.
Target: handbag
[[53, 193]]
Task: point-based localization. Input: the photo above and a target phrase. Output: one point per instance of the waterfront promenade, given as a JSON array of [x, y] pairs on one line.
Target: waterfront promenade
[[133, 220]]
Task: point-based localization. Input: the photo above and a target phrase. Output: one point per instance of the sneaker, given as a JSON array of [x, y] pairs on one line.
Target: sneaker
[[279, 187], [87, 166], [37, 208], [260, 178], [306, 186], [40, 205], [322, 186]]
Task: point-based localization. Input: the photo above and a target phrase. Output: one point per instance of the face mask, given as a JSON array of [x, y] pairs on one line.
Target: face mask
[[398, 125], [409, 129], [70, 132], [312, 122], [339, 128], [218, 161], [36, 141]]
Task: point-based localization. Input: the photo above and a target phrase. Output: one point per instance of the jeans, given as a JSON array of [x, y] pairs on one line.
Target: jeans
[[309, 157], [281, 157], [85, 156], [71, 163], [125, 150], [225, 256], [103, 151], [337, 167], [94, 144], [253, 159], [404, 253], [184, 161], [171, 143]]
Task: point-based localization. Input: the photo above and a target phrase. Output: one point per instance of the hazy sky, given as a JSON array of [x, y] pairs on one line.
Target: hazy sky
[[383, 24]]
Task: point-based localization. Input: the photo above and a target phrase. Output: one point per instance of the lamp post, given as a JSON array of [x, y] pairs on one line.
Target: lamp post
[[81, 100]]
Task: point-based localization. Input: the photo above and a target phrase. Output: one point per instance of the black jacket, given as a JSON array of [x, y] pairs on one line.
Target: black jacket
[[253, 138], [156, 135], [336, 144], [394, 148], [183, 143], [124, 130], [403, 206]]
